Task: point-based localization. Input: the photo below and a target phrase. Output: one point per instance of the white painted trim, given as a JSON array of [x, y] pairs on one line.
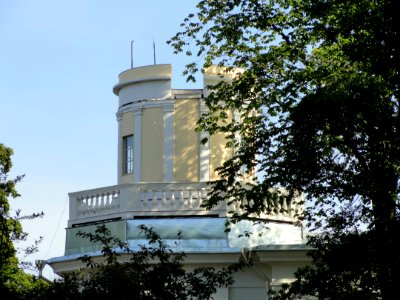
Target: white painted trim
[[168, 143], [148, 103], [119, 163], [137, 145], [117, 88], [204, 150]]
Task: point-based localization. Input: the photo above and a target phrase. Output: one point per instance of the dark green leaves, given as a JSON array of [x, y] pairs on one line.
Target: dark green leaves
[[318, 111]]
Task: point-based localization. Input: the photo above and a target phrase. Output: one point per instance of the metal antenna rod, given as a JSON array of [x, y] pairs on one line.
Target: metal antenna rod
[[154, 51], [132, 54]]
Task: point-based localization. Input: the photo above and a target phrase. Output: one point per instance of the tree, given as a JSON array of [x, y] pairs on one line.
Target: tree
[[153, 272], [323, 77], [343, 267], [14, 283]]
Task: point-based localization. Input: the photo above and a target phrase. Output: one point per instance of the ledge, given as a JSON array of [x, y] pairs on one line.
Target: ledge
[[117, 88]]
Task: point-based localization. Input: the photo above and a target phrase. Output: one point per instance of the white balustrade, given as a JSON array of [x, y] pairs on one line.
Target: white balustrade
[[172, 199], [92, 204], [166, 199]]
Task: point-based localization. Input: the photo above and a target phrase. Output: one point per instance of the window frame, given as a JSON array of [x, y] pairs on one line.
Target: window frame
[[127, 154]]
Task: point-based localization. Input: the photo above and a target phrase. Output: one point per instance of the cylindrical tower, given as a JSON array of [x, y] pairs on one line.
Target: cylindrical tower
[[157, 141]]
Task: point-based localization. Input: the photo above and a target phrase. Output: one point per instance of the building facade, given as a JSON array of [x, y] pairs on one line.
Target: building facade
[[163, 170]]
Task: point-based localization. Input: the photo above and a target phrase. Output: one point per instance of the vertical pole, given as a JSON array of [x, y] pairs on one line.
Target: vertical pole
[[132, 54], [154, 51]]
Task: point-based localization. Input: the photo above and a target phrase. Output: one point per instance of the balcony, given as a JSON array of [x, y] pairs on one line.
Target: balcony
[[155, 200]]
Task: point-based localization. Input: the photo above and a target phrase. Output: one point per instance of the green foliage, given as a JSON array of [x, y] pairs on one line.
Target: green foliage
[[10, 228], [344, 267], [14, 283], [319, 106], [152, 272]]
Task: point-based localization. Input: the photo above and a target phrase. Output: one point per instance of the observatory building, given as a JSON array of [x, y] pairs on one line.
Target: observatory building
[[163, 170]]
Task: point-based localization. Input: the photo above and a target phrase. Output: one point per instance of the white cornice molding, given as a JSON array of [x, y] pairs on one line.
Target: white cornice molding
[[117, 88], [166, 104]]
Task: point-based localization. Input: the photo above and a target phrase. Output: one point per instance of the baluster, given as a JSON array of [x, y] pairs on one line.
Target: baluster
[[84, 205], [186, 199], [181, 200], [195, 198], [204, 196], [96, 203], [113, 199], [89, 203], [85, 202], [190, 199], [284, 208], [110, 199], [173, 200], [265, 204], [116, 199], [278, 207], [244, 203], [101, 201], [161, 200], [106, 200], [290, 208], [168, 196], [272, 207], [251, 203], [146, 198], [92, 203], [154, 201], [141, 197], [79, 205], [200, 199]]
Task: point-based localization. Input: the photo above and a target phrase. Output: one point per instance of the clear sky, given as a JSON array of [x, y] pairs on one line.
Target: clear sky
[[58, 63]]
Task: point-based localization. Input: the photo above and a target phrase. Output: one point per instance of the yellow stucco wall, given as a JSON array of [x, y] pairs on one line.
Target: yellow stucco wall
[[127, 128], [186, 140], [127, 124], [218, 151], [218, 154], [152, 144]]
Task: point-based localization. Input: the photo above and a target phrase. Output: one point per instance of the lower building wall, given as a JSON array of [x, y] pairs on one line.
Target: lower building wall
[[239, 293], [207, 245], [251, 283], [253, 293]]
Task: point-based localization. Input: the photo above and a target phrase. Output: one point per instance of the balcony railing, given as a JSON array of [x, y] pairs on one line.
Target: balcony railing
[[127, 201]]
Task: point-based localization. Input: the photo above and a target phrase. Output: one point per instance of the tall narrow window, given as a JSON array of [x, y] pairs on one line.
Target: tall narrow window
[[127, 142]]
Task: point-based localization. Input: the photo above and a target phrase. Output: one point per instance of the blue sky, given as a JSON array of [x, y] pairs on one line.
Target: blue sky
[[58, 63]]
